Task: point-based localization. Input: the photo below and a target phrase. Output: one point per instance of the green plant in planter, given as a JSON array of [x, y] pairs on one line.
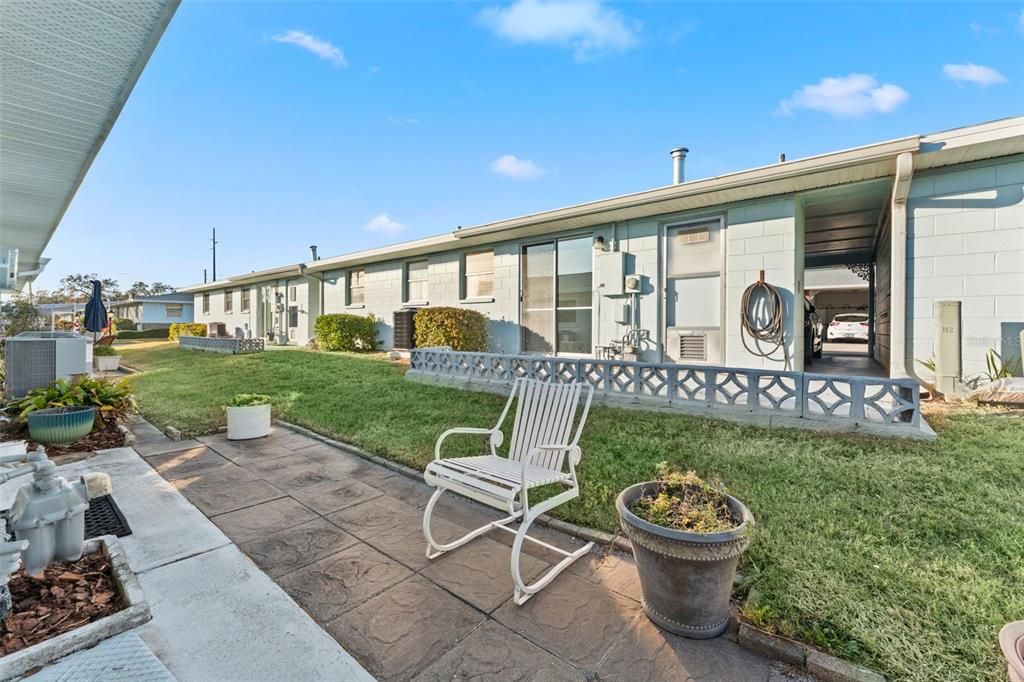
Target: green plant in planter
[[104, 351], [113, 400], [686, 502], [249, 400]]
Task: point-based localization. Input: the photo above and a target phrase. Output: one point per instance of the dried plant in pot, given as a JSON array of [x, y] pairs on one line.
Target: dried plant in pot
[[687, 536], [248, 416]]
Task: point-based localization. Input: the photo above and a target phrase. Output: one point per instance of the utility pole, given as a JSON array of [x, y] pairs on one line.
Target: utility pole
[[204, 275], [214, 241]]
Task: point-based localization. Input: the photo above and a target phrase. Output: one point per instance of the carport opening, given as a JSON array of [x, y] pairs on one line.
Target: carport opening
[[846, 278]]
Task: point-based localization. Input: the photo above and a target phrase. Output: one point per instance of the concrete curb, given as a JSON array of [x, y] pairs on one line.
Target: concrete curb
[[135, 613], [571, 529]]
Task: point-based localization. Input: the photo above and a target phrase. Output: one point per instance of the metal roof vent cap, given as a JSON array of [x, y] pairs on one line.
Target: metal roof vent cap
[[678, 164]]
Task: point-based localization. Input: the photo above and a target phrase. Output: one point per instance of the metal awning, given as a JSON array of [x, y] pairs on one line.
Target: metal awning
[[66, 70]]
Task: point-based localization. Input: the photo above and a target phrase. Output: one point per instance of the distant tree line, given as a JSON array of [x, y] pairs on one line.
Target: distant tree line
[[76, 288]]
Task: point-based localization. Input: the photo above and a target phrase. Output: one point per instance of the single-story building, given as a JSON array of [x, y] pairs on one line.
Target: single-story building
[[155, 312], [663, 275]]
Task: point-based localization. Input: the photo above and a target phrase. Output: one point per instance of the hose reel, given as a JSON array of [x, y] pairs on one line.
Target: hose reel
[[762, 318]]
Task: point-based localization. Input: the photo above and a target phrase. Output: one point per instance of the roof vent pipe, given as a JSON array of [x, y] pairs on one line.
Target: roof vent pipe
[[782, 158], [312, 252], [678, 164]]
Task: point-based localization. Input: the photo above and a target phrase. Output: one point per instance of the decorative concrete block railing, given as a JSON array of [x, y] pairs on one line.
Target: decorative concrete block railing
[[221, 345], [763, 396]]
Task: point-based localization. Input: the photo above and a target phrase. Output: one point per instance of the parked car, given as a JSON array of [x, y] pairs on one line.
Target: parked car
[[849, 327], [814, 335]]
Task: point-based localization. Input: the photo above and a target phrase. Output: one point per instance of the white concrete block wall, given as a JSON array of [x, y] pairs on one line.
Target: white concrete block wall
[[385, 283], [761, 236], [966, 242]]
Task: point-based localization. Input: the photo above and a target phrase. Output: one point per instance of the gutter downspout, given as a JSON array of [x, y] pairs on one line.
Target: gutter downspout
[[901, 364]]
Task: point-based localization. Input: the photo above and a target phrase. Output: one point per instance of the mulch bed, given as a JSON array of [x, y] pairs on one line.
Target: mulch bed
[[67, 595], [110, 436]]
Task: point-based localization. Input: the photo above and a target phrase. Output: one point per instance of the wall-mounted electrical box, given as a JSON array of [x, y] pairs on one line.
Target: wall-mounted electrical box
[[948, 363], [611, 272]]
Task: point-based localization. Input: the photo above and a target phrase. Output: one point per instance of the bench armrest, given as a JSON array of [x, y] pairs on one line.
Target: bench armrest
[[463, 430]]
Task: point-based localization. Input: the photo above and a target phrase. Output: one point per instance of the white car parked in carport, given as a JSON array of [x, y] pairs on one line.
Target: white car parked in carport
[[848, 327]]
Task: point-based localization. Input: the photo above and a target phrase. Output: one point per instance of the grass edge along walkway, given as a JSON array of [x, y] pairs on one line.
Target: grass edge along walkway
[[902, 556]]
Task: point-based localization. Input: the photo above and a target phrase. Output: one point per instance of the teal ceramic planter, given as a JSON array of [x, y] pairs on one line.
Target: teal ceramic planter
[[60, 425]]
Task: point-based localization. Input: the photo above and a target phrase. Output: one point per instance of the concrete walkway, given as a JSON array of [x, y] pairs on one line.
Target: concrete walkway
[[343, 537], [216, 616]]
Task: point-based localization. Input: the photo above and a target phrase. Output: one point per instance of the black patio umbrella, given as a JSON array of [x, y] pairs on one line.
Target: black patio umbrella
[[95, 312]]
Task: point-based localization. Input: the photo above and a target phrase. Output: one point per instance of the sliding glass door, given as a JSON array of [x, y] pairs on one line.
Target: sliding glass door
[[557, 297]]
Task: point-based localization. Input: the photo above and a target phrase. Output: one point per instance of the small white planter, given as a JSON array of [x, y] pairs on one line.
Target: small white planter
[[107, 363], [248, 422]]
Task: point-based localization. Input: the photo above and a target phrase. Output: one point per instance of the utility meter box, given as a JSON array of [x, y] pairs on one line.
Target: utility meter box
[[948, 368], [611, 272]]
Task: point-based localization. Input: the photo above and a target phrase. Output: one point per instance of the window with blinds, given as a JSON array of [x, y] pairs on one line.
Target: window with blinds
[[356, 287], [479, 274], [416, 281]]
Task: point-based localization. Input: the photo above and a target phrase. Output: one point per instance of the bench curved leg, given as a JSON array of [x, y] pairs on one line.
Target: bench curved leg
[[523, 591], [436, 549]]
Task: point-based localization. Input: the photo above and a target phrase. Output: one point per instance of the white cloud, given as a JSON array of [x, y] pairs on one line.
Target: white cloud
[[1020, 22], [402, 120], [973, 73], [846, 96], [979, 29], [518, 169], [321, 48], [384, 224], [588, 27]]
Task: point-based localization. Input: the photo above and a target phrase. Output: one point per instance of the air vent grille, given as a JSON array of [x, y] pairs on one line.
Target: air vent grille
[[696, 237], [693, 347]]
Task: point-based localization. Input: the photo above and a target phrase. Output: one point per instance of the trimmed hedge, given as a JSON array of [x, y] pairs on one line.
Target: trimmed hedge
[[186, 329], [124, 324], [460, 328], [160, 333], [341, 331]]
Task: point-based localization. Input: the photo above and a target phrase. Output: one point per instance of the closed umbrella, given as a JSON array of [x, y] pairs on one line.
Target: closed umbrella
[[95, 312]]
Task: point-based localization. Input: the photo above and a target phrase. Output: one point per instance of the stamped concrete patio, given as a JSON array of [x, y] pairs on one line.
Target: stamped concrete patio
[[343, 537]]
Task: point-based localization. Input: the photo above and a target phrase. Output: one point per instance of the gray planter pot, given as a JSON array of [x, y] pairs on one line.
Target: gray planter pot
[[686, 578]]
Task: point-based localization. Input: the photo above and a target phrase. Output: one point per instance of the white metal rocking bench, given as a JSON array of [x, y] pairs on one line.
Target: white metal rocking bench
[[536, 457]]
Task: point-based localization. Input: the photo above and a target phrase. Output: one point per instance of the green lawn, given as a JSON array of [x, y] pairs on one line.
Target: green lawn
[[904, 556]]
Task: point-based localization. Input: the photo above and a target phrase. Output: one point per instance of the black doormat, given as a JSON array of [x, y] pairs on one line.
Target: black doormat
[[103, 517]]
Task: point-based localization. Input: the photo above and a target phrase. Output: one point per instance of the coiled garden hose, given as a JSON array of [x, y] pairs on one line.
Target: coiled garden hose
[[765, 325]]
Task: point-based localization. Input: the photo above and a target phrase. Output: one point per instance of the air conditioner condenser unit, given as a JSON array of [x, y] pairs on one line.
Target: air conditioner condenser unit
[[37, 359]]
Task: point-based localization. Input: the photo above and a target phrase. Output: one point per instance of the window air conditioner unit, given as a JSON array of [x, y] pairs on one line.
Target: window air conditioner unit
[[37, 359]]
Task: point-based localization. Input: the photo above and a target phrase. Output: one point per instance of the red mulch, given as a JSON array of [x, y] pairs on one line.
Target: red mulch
[[67, 595], [110, 436]]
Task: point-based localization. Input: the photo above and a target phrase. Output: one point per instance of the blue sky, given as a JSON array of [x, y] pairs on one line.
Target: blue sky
[[352, 125]]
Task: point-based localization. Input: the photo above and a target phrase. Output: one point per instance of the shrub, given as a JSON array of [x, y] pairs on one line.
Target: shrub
[[123, 324], [178, 329], [459, 328], [159, 333], [340, 331], [249, 400], [113, 400], [104, 351]]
